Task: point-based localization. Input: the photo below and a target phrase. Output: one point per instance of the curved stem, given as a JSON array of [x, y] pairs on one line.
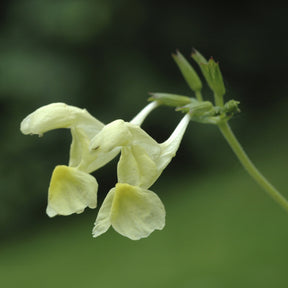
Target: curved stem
[[250, 167]]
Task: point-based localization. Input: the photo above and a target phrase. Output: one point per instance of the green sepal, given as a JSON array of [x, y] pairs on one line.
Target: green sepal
[[173, 100], [188, 72], [197, 108]]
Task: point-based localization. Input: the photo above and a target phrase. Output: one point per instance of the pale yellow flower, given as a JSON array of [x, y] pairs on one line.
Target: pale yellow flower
[[130, 208], [72, 188]]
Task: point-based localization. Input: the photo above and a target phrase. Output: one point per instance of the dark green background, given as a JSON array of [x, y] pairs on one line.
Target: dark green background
[[105, 56]]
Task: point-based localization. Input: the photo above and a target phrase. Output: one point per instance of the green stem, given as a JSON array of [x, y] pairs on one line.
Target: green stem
[[249, 166], [198, 95], [219, 101]]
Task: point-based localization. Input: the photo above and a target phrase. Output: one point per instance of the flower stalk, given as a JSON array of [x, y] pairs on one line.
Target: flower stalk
[[250, 167]]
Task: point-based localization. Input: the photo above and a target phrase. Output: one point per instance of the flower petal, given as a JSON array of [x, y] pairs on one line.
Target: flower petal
[[103, 222], [114, 134], [71, 191], [79, 147], [93, 160], [59, 115], [136, 212], [143, 139], [171, 145], [136, 168], [85, 159]]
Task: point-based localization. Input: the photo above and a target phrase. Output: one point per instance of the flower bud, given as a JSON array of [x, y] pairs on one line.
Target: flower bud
[[188, 72], [212, 74], [198, 58], [232, 106], [214, 78], [198, 108], [170, 99]]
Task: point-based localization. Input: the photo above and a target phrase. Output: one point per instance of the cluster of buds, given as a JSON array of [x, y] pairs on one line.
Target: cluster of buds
[[198, 109]]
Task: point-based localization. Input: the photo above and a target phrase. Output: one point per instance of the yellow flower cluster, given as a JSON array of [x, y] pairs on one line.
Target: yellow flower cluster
[[130, 208]]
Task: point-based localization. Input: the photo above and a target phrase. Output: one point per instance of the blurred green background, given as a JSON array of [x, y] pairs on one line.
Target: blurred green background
[[222, 230]]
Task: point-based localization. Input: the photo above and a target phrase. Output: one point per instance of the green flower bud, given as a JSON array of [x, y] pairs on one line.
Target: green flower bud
[[171, 99], [197, 109], [211, 72], [198, 58], [188, 72], [214, 78], [232, 107]]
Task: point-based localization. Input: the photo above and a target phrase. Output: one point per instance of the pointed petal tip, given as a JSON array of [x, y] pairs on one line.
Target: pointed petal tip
[[97, 231]]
